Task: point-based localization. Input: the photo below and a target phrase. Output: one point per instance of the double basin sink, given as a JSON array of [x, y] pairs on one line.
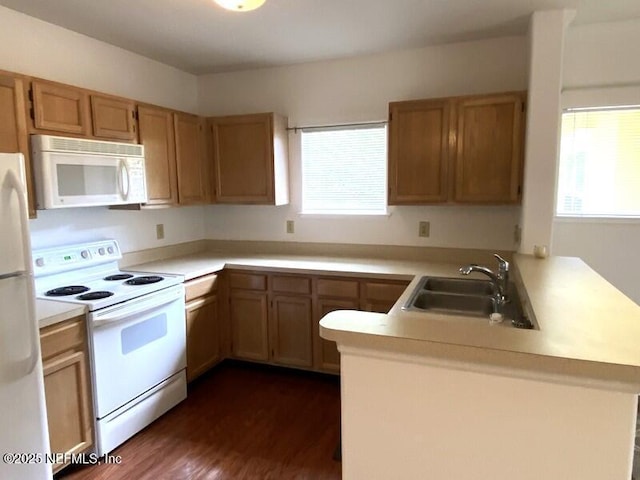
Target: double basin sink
[[466, 297]]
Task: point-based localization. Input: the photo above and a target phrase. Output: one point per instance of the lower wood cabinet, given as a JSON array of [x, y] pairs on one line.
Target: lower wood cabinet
[[274, 317], [290, 330], [203, 326], [67, 387], [380, 296], [327, 357], [248, 312]]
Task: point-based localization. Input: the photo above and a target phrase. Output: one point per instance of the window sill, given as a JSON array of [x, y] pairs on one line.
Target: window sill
[[343, 216], [595, 219]]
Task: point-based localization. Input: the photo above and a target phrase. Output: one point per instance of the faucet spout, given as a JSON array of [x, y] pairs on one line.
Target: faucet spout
[[500, 280], [466, 270]]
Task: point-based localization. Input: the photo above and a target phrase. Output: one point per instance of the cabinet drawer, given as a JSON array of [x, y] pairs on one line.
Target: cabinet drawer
[[61, 337], [383, 291], [248, 281], [337, 288], [291, 284], [200, 287]]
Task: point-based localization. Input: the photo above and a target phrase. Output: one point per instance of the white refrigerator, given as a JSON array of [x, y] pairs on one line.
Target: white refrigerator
[[23, 421]]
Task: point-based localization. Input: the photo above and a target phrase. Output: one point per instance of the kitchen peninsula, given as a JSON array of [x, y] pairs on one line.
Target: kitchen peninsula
[[453, 399]]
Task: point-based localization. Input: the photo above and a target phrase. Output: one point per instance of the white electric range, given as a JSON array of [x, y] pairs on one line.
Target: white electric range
[[136, 330]]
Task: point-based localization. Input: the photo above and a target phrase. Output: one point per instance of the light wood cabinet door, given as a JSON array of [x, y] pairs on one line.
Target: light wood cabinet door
[[248, 313], [113, 118], [489, 149], [191, 159], [381, 296], [418, 151], [250, 159], [326, 355], [156, 134], [13, 128], [60, 108], [203, 335], [290, 331], [67, 387]]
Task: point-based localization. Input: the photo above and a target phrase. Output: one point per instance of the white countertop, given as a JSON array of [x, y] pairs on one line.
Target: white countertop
[[49, 312], [587, 328]]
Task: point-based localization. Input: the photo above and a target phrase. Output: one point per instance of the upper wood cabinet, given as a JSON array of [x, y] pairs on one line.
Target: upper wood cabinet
[[60, 108], [250, 154], [13, 127], [457, 150], [418, 151], [191, 159], [489, 149], [113, 118], [156, 131]]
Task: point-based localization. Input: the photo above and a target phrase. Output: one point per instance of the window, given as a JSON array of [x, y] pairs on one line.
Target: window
[[599, 172], [344, 170]]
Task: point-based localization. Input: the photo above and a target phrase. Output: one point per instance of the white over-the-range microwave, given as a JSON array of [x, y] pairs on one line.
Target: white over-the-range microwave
[[74, 172]]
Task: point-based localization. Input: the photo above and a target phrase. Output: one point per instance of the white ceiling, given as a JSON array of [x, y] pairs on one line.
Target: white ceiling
[[199, 37]]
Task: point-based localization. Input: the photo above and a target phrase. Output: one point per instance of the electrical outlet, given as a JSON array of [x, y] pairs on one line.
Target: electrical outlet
[[517, 234], [424, 229], [160, 231], [291, 226]]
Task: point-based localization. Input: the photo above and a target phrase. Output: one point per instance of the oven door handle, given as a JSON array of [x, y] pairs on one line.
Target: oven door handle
[[134, 307]]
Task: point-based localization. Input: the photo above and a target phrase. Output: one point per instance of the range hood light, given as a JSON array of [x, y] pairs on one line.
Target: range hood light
[[240, 5]]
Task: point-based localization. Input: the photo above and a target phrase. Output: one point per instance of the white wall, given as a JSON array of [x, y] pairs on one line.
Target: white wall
[[600, 67], [33, 47], [134, 230], [546, 37], [359, 89]]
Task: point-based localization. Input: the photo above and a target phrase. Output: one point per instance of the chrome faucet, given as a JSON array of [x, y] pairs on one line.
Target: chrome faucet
[[500, 280]]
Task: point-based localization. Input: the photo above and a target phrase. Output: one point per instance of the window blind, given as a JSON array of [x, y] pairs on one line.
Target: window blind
[[599, 170], [344, 170]]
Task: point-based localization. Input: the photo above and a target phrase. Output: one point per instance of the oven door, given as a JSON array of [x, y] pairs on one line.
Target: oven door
[[136, 345]]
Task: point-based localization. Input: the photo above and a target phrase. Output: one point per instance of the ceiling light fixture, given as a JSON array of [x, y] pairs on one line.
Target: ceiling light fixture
[[240, 5]]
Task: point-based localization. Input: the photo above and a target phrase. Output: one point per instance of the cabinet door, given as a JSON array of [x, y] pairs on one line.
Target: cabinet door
[[243, 158], [13, 127], [112, 118], [203, 336], [381, 296], [249, 316], [327, 357], [290, 331], [60, 108], [191, 161], [156, 134], [489, 150], [418, 152], [67, 387], [68, 411]]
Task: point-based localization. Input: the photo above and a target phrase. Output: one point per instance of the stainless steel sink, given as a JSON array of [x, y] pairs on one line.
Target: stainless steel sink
[[466, 297], [458, 285], [480, 305]]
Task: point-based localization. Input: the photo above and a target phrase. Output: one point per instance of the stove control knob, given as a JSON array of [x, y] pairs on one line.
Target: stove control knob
[[101, 251], [110, 250], [85, 254], [40, 262]]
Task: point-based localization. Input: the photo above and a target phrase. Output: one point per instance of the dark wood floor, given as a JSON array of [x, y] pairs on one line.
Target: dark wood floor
[[239, 422]]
